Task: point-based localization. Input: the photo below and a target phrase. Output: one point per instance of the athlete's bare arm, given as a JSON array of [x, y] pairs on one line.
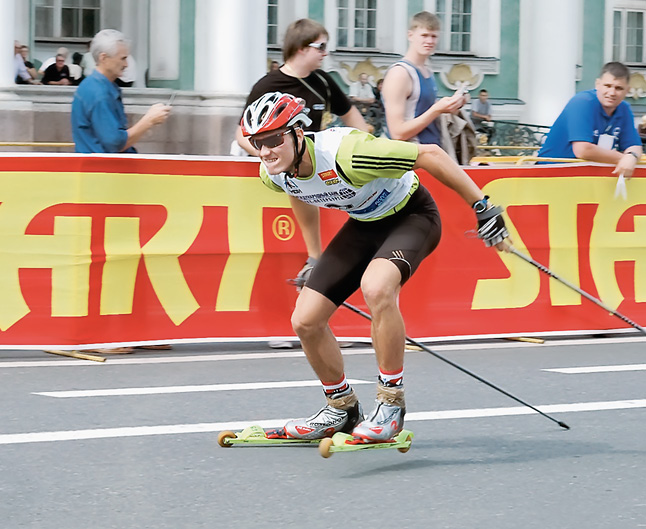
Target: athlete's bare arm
[[308, 219], [441, 166]]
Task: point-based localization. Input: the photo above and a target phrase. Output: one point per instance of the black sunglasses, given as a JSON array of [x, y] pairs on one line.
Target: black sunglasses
[[270, 142], [321, 46]]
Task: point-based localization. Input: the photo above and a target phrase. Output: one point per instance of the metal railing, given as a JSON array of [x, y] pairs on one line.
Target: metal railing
[[515, 139], [60, 144]]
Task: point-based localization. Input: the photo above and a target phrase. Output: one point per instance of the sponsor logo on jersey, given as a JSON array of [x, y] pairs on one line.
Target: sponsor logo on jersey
[[332, 182], [292, 188]]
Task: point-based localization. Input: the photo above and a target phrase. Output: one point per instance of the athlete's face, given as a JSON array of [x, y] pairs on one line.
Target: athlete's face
[[276, 149], [423, 40], [611, 91]]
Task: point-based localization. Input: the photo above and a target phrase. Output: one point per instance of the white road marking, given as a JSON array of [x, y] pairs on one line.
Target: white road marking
[[186, 389], [174, 429], [216, 357], [598, 369]]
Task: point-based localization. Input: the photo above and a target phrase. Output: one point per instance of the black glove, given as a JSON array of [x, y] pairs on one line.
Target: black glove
[[304, 274], [491, 225]]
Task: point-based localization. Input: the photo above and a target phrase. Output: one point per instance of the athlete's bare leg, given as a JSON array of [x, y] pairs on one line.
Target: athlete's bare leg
[[310, 322], [380, 285]]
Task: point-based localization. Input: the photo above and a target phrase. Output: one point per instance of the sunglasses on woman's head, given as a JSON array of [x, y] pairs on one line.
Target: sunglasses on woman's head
[[321, 46], [275, 140]]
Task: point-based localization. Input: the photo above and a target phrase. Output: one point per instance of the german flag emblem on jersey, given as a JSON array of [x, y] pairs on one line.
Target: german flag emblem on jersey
[[327, 175]]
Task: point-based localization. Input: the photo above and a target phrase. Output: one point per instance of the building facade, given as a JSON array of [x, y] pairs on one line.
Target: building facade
[[531, 55]]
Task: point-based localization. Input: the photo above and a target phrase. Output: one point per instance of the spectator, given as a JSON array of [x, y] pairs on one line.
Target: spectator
[[58, 73], [99, 121], [20, 73], [76, 71], [377, 90], [274, 65], [481, 109], [51, 60], [129, 75], [362, 91], [304, 48], [409, 92], [598, 125], [31, 70], [481, 114], [87, 63]]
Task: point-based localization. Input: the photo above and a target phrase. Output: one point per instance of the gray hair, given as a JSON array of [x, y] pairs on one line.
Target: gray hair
[[107, 41]]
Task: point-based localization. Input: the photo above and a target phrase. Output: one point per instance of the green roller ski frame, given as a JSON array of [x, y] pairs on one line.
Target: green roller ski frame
[[256, 435], [343, 442]]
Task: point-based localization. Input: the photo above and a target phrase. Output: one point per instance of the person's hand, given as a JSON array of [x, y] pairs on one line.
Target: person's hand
[[450, 105], [491, 225], [158, 113], [304, 274], [626, 166]]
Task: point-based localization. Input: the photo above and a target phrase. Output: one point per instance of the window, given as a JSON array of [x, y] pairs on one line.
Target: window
[[455, 34], [67, 19], [357, 24], [628, 36], [272, 22]]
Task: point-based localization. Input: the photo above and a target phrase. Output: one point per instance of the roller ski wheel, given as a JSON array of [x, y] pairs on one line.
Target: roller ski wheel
[[256, 435], [224, 437], [343, 442]]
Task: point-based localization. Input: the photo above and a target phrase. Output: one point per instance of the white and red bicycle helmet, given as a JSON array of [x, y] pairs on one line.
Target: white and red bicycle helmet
[[273, 111]]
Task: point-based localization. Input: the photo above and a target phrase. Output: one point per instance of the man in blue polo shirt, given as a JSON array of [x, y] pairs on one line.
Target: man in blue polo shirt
[[99, 122], [598, 125]]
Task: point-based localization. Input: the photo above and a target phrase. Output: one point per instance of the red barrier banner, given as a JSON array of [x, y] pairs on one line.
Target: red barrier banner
[[125, 249]]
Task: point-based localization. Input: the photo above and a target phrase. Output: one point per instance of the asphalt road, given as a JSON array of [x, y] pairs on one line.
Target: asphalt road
[[131, 443]]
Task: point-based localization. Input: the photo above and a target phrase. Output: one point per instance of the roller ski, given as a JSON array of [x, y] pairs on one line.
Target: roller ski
[[343, 442], [340, 415], [383, 428], [258, 436]]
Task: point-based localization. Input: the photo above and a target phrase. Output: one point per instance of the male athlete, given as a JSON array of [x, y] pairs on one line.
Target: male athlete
[[394, 224]]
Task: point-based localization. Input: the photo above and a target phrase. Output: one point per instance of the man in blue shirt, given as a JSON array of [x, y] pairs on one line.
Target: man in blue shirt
[[598, 125], [99, 122]]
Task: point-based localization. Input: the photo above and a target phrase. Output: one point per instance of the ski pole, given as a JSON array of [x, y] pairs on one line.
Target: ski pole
[[589, 297], [459, 367]]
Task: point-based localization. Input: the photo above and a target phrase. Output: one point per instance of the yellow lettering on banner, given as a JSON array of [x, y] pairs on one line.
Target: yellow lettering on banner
[[622, 246], [68, 251], [245, 242], [74, 268], [562, 196], [122, 256]]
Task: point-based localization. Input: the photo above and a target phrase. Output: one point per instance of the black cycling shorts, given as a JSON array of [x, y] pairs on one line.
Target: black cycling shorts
[[405, 238]]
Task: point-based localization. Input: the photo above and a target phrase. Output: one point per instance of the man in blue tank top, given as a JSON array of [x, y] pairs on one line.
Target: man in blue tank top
[[409, 92]]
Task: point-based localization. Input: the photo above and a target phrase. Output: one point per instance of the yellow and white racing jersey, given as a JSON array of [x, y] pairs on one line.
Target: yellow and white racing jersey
[[368, 177]]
